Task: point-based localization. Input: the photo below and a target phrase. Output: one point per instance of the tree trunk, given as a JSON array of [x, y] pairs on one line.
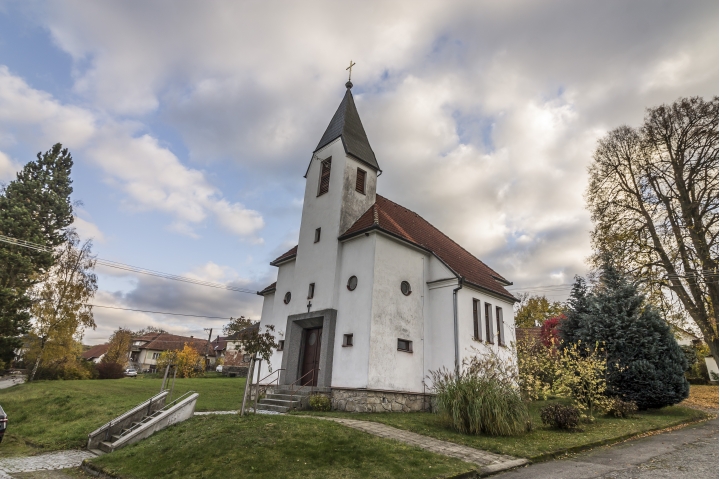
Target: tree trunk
[[37, 363], [248, 382]]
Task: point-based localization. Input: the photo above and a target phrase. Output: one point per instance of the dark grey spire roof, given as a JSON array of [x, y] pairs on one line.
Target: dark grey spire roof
[[346, 124]]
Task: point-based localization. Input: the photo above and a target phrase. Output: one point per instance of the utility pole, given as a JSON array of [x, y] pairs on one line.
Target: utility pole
[[207, 348]]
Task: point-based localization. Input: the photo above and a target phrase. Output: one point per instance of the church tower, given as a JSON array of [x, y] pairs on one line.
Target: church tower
[[340, 186]]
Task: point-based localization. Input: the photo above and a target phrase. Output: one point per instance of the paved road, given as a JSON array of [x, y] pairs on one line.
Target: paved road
[[691, 452]]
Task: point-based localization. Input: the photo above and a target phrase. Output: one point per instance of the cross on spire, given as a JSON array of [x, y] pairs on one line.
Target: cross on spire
[[350, 69]]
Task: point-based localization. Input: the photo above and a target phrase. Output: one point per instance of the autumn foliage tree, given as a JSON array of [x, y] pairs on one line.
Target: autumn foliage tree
[[60, 307], [534, 310], [653, 196], [187, 361], [118, 347]]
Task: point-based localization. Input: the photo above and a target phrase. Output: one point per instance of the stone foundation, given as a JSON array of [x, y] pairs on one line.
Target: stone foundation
[[368, 400]]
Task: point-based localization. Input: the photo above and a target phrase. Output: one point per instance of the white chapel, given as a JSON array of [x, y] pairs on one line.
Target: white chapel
[[373, 297]]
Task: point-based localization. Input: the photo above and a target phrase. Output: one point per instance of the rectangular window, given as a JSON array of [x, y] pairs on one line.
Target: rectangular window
[[477, 320], [155, 355], [360, 181], [311, 291], [281, 345], [347, 340], [324, 177], [317, 235], [500, 325], [246, 358], [405, 345], [489, 324]]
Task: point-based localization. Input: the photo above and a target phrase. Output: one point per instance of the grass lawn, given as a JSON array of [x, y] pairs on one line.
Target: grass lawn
[[705, 397], [261, 446], [51, 415], [542, 442]]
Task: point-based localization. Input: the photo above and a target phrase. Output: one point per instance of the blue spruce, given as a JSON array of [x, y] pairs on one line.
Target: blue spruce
[[645, 363]]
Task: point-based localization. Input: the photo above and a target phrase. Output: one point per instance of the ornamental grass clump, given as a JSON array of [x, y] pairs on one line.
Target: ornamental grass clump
[[482, 398]]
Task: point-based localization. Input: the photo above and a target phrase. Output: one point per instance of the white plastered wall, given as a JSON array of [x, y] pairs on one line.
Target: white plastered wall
[[350, 364], [470, 347], [397, 316]]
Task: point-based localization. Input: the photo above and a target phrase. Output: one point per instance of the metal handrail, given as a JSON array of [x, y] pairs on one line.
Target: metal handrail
[[277, 379], [108, 425], [293, 391], [167, 406]]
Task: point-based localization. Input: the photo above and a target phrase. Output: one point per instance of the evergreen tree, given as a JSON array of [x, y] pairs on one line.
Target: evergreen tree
[[577, 308], [35, 207], [645, 363]]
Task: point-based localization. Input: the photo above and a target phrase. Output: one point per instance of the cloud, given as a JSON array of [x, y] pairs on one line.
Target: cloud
[[483, 115], [150, 293], [88, 230], [8, 168], [152, 177]]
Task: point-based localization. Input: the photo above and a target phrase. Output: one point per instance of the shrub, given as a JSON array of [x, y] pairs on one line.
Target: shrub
[[560, 416], [483, 398], [619, 408], [110, 371], [319, 402]]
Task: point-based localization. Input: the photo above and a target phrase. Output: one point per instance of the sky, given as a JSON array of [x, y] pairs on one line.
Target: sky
[[192, 123]]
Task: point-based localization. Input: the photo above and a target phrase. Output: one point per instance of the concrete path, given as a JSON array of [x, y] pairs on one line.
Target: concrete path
[[42, 462], [11, 381], [690, 452], [487, 462]]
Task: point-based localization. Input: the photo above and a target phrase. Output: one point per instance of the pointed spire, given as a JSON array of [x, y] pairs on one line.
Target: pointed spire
[[346, 124]]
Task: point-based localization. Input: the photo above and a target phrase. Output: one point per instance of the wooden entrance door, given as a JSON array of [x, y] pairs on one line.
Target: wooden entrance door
[[311, 357]]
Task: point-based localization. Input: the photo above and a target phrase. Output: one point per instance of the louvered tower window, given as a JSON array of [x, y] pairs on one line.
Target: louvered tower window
[[324, 177], [360, 181]]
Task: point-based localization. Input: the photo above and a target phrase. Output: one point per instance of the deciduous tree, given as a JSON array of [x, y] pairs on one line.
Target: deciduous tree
[[60, 309], [534, 310], [119, 347], [653, 196]]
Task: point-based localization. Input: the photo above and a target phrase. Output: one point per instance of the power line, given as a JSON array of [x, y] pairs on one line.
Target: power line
[[156, 312], [134, 269]]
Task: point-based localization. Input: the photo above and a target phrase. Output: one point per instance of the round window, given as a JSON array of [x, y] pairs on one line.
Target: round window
[[352, 283], [405, 288], [287, 297]]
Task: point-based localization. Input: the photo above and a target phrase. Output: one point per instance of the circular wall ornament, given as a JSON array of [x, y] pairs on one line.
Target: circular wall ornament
[[352, 283], [405, 288], [286, 300]]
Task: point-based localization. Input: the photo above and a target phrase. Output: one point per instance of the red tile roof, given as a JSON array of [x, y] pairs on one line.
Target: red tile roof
[[285, 256], [533, 333], [411, 227], [268, 289], [96, 351], [167, 342]]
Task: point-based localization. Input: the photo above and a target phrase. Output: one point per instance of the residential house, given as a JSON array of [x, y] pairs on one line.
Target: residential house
[[146, 349], [96, 353]]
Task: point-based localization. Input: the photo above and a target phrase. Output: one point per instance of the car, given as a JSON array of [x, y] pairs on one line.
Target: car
[[131, 373], [218, 368]]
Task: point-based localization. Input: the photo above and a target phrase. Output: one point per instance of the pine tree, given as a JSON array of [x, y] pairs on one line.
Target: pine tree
[[35, 207], [645, 363]]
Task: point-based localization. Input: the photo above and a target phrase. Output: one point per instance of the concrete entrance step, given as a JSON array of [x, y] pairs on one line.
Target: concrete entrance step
[[272, 407]]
